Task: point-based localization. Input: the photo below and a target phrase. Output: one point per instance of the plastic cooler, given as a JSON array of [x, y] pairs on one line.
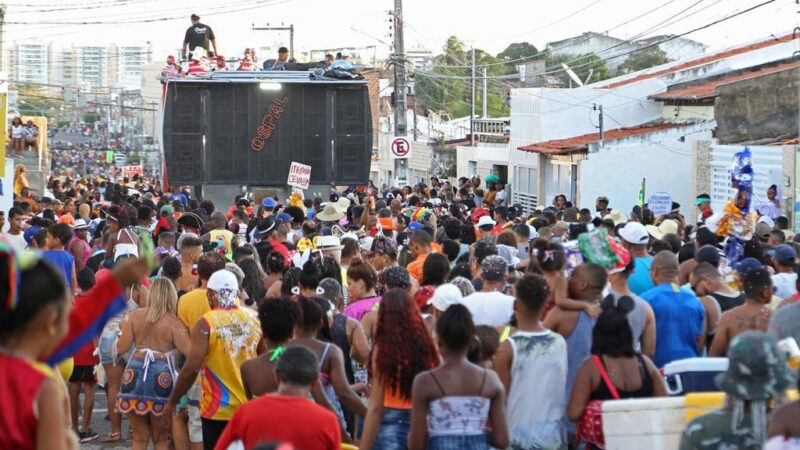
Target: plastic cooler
[[693, 375]]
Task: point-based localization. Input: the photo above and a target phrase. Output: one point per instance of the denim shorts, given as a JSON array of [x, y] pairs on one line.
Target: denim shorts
[[458, 442], [106, 344], [395, 426], [145, 390]]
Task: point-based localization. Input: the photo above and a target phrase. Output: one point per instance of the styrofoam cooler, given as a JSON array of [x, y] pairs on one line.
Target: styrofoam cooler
[[646, 423], [693, 375]]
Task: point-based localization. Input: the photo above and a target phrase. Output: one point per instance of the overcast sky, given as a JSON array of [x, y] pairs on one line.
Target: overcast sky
[[490, 25]]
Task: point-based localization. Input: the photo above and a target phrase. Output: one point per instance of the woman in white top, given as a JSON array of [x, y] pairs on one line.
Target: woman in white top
[[17, 134], [124, 242], [453, 403]]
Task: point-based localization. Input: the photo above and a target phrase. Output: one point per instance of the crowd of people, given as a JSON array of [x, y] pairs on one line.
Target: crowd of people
[[431, 316]]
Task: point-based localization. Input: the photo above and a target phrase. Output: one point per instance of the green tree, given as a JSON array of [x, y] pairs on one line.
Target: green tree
[[517, 51], [582, 65], [91, 117], [643, 59], [446, 89]]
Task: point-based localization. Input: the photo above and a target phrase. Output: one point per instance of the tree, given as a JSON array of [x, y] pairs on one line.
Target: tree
[[517, 51], [91, 117], [643, 59], [446, 89], [581, 65]]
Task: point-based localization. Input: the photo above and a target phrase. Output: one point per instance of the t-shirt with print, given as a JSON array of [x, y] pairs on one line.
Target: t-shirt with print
[[198, 35]]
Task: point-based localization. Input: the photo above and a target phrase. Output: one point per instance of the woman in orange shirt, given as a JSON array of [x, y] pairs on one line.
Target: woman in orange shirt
[[402, 348]]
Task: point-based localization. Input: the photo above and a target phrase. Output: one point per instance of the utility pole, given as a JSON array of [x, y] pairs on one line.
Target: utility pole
[[400, 105], [599, 108], [290, 29], [485, 95], [2, 35], [472, 104]]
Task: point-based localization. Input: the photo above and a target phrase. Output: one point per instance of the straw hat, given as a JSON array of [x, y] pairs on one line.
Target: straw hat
[[331, 213], [668, 226]]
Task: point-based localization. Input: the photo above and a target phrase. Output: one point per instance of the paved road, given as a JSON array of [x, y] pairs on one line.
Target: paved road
[[103, 427]]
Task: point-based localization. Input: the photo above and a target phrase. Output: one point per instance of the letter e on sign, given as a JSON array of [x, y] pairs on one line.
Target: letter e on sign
[[400, 148]]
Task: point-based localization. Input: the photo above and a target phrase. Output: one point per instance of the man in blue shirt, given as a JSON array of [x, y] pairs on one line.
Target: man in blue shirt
[[680, 317], [343, 63], [635, 239]]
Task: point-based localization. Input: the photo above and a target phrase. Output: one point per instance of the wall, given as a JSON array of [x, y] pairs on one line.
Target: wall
[[616, 169], [759, 108], [687, 113], [595, 43], [485, 156]]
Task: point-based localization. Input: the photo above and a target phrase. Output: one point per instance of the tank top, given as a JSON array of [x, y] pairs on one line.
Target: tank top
[[579, 344], [359, 308], [19, 388], [726, 302], [87, 250], [458, 415], [340, 338], [637, 318], [16, 132], [327, 386], [233, 338], [603, 393]]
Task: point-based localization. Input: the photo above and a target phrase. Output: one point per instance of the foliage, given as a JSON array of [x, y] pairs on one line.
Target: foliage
[[35, 101], [517, 51], [643, 59], [446, 89], [91, 117], [581, 65]]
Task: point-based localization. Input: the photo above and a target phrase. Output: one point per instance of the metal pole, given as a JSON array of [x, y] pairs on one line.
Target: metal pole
[[291, 41], [400, 105], [600, 123], [485, 95], [472, 104]]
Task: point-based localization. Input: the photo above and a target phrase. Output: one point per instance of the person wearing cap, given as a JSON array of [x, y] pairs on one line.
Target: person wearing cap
[[280, 63], [635, 239], [342, 63], [754, 315], [784, 258], [78, 246], [680, 317], [443, 297], [703, 204], [491, 306], [191, 222], [199, 35], [222, 339], [172, 69], [265, 240], [484, 227], [757, 374], [221, 65]]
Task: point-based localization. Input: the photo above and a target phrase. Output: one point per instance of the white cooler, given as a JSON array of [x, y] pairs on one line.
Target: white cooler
[[644, 424], [690, 375]]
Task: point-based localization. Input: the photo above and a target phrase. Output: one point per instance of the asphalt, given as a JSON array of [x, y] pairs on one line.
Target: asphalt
[[103, 427]]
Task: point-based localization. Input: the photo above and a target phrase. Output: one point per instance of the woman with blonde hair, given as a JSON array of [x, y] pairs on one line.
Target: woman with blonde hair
[[150, 373], [20, 180]]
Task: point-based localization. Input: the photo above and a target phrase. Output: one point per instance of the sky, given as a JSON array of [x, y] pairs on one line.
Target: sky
[[488, 25]]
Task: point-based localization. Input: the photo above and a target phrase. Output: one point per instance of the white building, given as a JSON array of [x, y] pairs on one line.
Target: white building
[[567, 116], [125, 65], [31, 63]]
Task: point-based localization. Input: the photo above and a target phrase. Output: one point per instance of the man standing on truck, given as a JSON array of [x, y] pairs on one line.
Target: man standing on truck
[[198, 35]]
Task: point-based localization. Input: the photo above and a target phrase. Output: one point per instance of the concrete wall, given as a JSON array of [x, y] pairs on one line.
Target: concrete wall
[[763, 108], [687, 113], [616, 169], [484, 157]]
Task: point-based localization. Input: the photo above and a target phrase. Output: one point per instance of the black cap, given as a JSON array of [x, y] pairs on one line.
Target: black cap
[[195, 17], [283, 50], [264, 227]]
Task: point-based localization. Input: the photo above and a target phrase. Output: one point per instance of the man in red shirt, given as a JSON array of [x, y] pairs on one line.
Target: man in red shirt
[[288, 416]]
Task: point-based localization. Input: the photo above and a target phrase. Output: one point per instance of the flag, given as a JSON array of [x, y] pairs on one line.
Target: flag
[[640, 200]]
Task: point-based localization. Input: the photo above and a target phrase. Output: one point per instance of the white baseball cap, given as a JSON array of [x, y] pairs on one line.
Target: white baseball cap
[[486, 220], [345, 53], [223, 279], [446, 295], [634, 233]]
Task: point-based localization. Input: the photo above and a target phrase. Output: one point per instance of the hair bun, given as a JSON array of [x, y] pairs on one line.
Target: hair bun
[[625, 304]]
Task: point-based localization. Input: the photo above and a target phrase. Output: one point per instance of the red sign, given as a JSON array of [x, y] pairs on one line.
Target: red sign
[[268, 123], [400, 148], [130, 171]]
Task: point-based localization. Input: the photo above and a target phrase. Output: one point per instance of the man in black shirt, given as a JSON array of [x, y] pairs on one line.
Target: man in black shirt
[[198, 35]]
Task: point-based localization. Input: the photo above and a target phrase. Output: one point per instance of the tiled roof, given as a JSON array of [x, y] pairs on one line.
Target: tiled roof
[[708, 89], [580, 144], [705, 60]]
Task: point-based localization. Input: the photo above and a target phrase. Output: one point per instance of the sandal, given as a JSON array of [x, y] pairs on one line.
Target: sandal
[[113, 437]]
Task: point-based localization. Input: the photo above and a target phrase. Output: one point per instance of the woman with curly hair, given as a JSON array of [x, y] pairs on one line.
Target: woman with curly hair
[[402, 349]]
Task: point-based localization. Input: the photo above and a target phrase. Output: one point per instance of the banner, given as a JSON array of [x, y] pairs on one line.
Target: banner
[[130, 171], [660, 203], [299, 175]]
